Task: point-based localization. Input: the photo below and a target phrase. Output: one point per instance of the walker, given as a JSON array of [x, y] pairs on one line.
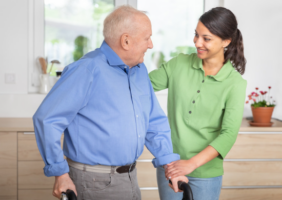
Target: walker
[[187, 192]]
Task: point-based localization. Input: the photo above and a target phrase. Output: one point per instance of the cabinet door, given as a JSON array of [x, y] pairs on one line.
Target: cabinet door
[[251, 194], [146, 174], [36, 195], [27, 147], [8, 165], [252, 173], [31, 176], [260, 146], [150, 194]]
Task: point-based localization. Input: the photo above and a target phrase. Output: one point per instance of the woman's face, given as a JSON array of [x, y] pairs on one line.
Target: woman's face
[[208, 45]]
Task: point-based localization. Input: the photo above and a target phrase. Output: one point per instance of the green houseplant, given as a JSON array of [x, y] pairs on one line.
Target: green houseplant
[[262, 106]]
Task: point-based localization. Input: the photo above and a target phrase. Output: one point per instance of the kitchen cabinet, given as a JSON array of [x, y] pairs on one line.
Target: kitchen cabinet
[[253, 167], [8, 165]]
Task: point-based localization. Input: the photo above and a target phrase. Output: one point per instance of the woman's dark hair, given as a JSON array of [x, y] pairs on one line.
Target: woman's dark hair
[[222, 22]]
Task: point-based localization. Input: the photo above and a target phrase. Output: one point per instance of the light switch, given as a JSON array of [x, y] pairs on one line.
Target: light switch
[[10, 78]]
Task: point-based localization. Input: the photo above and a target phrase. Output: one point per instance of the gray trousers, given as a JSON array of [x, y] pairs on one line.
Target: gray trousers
[[105, 186]]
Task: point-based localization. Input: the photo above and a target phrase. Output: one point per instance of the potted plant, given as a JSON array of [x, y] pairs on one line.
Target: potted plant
[[262, 107]]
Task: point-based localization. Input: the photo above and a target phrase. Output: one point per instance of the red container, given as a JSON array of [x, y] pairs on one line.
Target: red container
[[262, 114]]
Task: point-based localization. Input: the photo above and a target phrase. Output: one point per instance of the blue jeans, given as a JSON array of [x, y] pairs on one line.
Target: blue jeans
[[202, 188]]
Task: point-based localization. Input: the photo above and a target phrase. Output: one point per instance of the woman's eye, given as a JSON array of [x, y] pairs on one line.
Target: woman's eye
[[196, 35], [206, 39]]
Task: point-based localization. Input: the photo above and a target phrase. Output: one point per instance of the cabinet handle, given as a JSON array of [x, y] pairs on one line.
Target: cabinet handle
[[29, 133]]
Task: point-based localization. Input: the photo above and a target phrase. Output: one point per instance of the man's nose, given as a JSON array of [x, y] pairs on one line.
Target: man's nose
[[150, 45]]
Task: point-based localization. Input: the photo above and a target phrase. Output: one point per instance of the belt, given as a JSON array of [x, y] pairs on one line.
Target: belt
[[102, 168]]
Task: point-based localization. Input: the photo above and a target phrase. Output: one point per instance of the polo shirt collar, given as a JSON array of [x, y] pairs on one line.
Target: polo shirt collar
[[223, 73], [112, 57]]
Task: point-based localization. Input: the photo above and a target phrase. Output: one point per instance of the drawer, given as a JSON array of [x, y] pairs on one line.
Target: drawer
[[8, 165], [146, 155], [150, 194], [36, 195], [31, 176], [27, 147], [257, 146], [146, 174], [252, 173], [251, 194]]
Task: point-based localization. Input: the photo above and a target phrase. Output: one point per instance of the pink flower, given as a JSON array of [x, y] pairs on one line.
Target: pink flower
[[257, 88], [269, 87], [247, 101]]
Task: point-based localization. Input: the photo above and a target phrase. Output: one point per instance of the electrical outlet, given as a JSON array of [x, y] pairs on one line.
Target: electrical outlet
[[10, 78]]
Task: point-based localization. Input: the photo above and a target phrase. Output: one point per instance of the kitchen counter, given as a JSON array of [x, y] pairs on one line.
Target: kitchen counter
[[26, 124]]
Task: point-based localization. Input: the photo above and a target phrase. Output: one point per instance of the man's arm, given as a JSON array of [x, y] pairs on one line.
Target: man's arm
[[158, 139], [54, 115]]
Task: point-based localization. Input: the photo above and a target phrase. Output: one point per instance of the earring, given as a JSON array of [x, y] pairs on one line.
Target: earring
[[225, 49]]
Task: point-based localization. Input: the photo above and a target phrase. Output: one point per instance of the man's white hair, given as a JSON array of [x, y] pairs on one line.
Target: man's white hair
[[121, 20]]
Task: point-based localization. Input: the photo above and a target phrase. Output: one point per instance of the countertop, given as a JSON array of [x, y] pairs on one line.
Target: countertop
[[26, 125]]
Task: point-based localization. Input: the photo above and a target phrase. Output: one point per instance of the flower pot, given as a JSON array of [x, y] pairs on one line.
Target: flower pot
[[262, 114]]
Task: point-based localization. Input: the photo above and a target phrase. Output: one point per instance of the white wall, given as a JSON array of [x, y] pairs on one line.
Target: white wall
[[14, 45], [259, 21]]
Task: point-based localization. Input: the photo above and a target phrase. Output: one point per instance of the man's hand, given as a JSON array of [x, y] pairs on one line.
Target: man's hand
[[62, 184], [175, 180], [179, 168]]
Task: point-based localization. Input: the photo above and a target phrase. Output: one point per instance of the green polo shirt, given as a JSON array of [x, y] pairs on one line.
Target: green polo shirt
[[202, 110]]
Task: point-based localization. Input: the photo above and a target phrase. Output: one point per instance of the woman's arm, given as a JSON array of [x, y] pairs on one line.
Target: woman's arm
[[160, 77], [222, 144], [184, 167]]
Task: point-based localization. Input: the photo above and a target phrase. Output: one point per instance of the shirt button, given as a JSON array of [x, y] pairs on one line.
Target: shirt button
[[193, 101], [190, 112], [138, 135], [203, 81], [198, 91], [136, 115]]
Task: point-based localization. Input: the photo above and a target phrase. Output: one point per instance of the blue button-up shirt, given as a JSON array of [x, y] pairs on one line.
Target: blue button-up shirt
[[107, 112]]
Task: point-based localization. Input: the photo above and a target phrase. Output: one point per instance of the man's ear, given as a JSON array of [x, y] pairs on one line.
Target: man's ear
[[125, 41]]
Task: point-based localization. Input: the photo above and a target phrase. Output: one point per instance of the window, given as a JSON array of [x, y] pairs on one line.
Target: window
[[173, 25], [73, 28]]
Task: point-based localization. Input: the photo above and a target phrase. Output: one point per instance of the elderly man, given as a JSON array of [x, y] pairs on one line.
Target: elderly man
[[106, 107]]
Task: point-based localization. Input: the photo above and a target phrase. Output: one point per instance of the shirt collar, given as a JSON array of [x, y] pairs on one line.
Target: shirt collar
[[112, 57], [223, 73]]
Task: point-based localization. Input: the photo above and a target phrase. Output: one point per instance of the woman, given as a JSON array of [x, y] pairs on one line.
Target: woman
[[206, 95]]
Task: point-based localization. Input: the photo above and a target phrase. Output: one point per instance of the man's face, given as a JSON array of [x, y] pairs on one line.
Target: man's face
[[141, 40]]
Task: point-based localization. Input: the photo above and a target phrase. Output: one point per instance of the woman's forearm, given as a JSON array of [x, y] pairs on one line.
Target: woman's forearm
[[184, 167], [204, 156]]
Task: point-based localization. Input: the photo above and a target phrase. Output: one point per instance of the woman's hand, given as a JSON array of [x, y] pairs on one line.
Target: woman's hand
[[179, 168]]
